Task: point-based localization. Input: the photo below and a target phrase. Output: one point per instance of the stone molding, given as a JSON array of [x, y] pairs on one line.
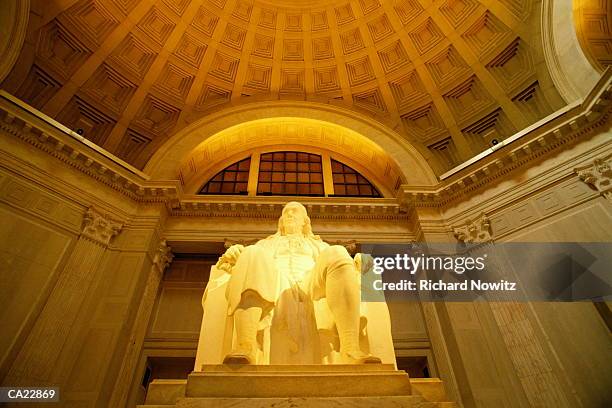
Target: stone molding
[[265, 207], [98, 228], [599, 176], [476, 231]]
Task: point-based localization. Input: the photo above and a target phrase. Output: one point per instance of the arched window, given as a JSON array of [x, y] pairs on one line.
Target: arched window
[[349, 183], [291, 173], [231, 180]]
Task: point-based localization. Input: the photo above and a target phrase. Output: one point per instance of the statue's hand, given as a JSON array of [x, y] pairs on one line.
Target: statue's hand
[[363, 262], [229, 258]]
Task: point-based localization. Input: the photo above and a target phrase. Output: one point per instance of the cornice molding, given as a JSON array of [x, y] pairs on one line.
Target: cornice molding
[[326, 208]]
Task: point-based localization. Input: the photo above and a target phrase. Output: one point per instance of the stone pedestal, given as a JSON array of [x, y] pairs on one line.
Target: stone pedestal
[[259, 386]]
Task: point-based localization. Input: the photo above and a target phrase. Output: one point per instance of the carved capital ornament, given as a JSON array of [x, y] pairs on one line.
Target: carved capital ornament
[[599, 176], [163, 255], [99, 228], [477, 231]]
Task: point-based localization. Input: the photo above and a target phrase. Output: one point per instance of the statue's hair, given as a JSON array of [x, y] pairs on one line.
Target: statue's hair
[[306, 228]]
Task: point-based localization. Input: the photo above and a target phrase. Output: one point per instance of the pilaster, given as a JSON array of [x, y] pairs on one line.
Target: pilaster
[[38, 356]]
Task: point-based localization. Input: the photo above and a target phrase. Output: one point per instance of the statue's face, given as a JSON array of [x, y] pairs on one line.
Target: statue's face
[[293, 219]]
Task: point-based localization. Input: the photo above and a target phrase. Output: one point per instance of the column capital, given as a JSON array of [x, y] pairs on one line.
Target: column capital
[[163, 255], [99, 227], [598, 175], [476, 231]]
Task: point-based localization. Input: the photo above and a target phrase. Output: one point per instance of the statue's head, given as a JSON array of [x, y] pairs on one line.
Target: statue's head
[[294, 220]]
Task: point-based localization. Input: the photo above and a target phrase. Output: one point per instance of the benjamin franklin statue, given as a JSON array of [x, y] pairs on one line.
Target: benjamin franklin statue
[[290, 298]]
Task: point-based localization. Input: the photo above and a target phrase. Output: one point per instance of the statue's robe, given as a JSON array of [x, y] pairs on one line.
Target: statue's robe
[[297, 326]]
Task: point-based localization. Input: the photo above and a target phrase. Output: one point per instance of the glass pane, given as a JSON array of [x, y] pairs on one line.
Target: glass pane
[[263, 188], [365, 190], [303, 189], [316, 189], [352, 190], [291, 188], [350, 178]]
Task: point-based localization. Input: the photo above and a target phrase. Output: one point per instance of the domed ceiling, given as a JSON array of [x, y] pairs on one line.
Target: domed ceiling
[[448, 75]]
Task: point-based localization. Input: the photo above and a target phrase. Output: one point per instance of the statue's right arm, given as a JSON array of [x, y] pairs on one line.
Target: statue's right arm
[[229, 258]]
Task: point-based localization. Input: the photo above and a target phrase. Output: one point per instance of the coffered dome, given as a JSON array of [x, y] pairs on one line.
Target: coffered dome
[[449, 76]]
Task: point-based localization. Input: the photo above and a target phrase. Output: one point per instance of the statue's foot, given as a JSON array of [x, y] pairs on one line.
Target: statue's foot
[[240, 356], [359, 357]]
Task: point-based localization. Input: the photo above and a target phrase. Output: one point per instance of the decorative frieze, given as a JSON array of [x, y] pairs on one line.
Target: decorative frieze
[[263, 207]]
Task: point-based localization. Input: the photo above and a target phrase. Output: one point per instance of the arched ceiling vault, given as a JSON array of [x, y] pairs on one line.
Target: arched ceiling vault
[[446, 75], [280, 122], [300, 134]]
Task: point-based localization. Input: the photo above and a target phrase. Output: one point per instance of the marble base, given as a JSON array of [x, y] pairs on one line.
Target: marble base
[[308, 386]]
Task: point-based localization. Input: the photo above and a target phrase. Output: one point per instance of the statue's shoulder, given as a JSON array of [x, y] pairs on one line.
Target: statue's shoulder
[[316, 240], [267, 240]]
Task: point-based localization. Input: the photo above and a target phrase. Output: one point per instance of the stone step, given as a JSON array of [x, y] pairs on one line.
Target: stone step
[[298, 386], [270, 384], [328, 368], [412, 401]]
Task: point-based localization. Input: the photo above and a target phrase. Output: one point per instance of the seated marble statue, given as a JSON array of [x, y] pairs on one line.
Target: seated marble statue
[[291, 298]]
